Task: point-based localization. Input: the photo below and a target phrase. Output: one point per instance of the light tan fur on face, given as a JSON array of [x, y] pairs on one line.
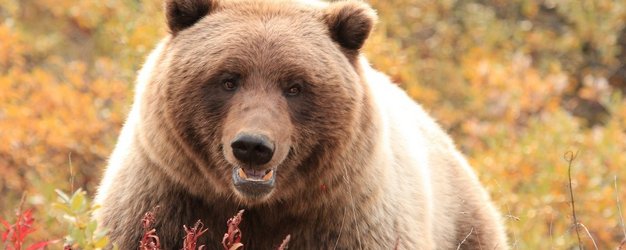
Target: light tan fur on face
[[359, 164]]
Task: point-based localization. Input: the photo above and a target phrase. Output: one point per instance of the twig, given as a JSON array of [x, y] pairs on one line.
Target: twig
[[69, 156], [343, 218], [464, 239], [285, 244], [589, 234], [19, 223], [20, 208], [509, 215], [570, 157], [551, 238], [619, 209]]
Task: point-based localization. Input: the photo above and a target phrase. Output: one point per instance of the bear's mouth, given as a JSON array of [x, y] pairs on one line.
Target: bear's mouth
[[254, 183]]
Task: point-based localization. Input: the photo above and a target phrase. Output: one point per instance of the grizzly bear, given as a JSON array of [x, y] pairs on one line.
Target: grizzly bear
[[270, 107]]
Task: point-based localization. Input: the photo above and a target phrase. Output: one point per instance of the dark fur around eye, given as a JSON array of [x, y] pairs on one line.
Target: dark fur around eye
[[229, 81], [293, 90]]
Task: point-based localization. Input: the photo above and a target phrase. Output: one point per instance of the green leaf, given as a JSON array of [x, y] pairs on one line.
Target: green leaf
[[94, 207], [76, 236], [91, 228], [63, 208], [102, 233], [62, 195], [78, 202], [101, 243]]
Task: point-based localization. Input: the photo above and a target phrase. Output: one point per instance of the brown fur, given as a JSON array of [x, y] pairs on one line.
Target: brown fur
[[344, 179]]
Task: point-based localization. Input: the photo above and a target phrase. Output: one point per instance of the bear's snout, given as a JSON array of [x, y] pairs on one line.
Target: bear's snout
[[252, 149]]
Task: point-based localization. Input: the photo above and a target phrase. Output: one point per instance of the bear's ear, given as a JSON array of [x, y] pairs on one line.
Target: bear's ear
[[350, 23], [181, 14]]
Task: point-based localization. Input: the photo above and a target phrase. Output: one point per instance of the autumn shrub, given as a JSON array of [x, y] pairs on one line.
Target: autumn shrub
[[76, 211], [83, 233], [14, 235], [518, 84], [66, 79]]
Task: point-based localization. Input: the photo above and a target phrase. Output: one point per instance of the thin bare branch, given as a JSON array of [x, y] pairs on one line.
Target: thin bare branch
[[285, 244], [589, 234], [464, 239], [570, 157], [619, 210]]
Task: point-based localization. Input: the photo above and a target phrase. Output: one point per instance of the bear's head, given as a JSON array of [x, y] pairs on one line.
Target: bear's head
[[262, 93]]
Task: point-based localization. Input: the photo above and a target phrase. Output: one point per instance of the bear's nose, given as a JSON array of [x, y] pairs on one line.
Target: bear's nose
[[252, 149]]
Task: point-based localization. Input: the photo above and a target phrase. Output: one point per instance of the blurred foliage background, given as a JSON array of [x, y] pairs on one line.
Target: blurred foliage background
[[517, 83]]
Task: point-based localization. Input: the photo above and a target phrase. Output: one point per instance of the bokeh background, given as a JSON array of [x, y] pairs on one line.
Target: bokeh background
[[517, 83]]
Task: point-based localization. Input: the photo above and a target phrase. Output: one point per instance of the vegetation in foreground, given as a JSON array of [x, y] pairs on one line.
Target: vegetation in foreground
[[83, 232]]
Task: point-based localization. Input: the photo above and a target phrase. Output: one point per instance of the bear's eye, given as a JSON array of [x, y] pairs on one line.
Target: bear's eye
[[230, 83], [294, 89]]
